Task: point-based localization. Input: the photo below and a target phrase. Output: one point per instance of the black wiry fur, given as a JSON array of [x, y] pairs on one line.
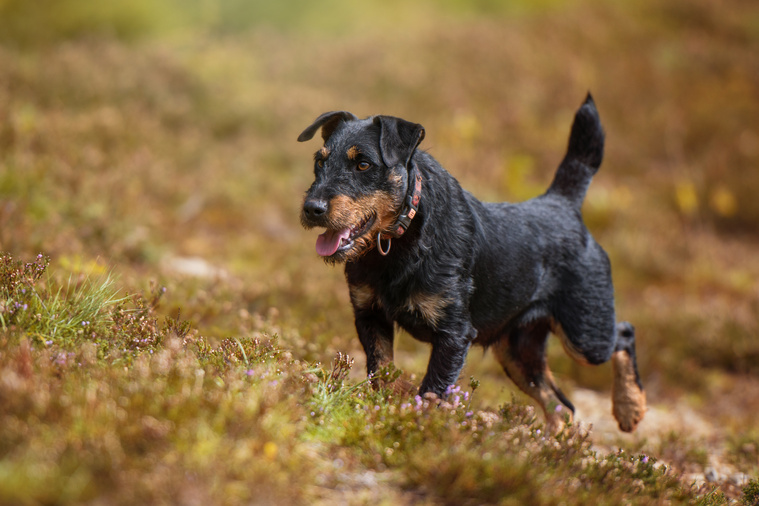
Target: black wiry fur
[[466, 272]]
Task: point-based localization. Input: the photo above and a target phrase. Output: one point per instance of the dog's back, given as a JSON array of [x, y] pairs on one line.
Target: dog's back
[[536, 244]]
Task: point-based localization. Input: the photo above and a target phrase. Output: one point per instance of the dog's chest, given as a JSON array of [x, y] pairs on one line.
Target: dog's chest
[[420, 312]]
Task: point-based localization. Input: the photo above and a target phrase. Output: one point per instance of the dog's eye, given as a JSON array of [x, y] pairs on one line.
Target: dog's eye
[[363, 166], [320, 163]]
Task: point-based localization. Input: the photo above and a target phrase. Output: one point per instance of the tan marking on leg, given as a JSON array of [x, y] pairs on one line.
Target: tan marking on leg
[[430, 306], [553, 409], [402, 387], [569, 348], [353, 152], [628, 400], [362, 296], [384, 352], [560, 414]]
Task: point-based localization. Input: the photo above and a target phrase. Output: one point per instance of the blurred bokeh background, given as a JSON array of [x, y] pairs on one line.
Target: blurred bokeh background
[[156, 139]]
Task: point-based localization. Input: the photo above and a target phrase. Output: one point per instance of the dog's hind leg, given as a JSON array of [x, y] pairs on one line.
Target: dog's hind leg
[[628, 397], [521, 353]]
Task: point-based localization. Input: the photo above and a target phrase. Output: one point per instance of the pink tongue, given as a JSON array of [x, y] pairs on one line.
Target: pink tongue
[[328, 242]]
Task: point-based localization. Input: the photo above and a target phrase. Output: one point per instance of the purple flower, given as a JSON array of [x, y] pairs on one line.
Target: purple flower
[[644, 459]]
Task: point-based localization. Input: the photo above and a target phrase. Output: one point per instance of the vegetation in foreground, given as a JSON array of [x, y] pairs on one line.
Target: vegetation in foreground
[[140, 161], [111, 406]]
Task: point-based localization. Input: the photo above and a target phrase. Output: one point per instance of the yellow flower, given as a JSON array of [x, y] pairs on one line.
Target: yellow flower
[[270, 450], [723, 202], [686, 197]]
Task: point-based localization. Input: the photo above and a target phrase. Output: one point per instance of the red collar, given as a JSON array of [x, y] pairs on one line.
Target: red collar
[[408, 211], [410, 204]]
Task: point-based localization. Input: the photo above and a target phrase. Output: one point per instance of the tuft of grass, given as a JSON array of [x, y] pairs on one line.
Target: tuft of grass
[[31, 305], [751, 493], [134, 411], [743, 450]]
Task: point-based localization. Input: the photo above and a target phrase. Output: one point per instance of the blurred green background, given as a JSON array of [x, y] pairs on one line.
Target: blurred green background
[[156, 139]]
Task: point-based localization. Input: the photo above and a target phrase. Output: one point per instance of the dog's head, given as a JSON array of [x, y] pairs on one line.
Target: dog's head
[[360, 180]]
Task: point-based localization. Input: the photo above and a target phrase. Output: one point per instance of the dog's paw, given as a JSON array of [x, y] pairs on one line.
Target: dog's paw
[[401, 387], [558, 418], [628, 399]]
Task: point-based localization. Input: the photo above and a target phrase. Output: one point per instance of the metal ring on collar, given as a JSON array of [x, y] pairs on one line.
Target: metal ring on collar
[[379, 244]]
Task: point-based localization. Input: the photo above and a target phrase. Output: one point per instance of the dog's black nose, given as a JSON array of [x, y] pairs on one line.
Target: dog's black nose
[[315, 208]]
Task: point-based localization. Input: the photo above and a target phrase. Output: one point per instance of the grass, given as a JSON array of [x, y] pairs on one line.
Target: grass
[[240, 419], [132, 140], [130, 409], [46, 313]]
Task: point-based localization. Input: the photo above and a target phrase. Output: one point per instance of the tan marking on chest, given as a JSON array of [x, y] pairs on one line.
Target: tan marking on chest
[[362, 296], [431, 307]]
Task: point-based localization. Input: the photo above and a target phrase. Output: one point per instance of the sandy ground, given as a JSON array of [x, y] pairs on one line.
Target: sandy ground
[[593, 408]]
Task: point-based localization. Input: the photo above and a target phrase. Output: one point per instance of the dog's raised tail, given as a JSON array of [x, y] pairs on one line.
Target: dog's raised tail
[[584, 155]]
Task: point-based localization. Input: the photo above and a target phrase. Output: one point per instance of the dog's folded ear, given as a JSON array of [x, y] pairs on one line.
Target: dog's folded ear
[[328, 122], [398, 139]]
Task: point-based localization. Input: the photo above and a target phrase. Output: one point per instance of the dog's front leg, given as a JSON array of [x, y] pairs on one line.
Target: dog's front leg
[[449, 350], [375, 331], [374, 328]]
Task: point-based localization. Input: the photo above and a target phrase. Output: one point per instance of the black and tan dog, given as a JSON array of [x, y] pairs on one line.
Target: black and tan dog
[[422, 252]]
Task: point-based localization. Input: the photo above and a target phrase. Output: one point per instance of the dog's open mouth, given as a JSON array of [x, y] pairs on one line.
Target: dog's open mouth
[[332, 241]]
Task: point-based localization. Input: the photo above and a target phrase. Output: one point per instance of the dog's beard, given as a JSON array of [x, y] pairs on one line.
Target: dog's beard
[[352, 226]]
